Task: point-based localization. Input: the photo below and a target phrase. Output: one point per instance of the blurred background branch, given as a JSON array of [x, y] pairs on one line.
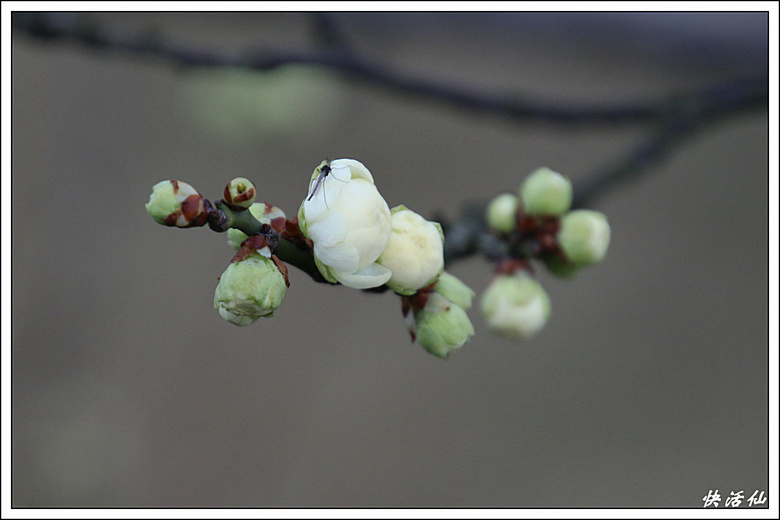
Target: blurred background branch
[[671, 118], [333, 52]]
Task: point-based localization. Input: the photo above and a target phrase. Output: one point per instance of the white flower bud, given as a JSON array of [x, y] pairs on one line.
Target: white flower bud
[[501, 212], [516, 306], [240, 192], [442, 326], [176, 203], [584, 236], [250, 288], [414, 253], [263, 212], [546, 193], [348, 222]]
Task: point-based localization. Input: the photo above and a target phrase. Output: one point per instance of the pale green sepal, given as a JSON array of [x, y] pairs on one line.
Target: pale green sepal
[[454, 290]]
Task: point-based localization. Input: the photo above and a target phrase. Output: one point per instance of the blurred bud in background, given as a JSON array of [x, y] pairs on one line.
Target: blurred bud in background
[[245, 106], [516, 305], [546, 193], [584, 236], [501, 212]]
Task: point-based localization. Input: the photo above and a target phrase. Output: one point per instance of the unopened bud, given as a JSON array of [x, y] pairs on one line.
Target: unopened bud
[[584, 236], [502, 212], [249, 289], [546, 193], [348, 222], [176, 203], [240, 192], [516, 306], [442, 326], [414, 253]]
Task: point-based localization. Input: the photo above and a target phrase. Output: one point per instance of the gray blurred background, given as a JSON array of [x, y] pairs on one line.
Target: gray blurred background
[[647, 388]]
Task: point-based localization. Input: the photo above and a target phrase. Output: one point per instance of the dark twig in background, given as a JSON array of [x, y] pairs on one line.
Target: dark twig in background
[[672, 118], [690, 115], [335, 55]]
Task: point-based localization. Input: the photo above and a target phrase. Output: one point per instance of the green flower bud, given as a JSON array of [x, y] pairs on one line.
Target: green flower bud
[[240, 192], [546, 193], [442, 326], [454, 290], [584, 236], [501, 212], [415, 252], [176, 203], [248, 289], [516, 306], [263, 212]]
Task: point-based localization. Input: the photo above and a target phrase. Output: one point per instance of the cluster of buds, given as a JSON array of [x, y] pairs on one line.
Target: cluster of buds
[[351, 237], [360, 242], [345, 232], [255, 281], [537, 223]]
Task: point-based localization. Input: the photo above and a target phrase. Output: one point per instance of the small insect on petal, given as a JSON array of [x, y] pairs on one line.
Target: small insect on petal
[[348, 223], [340, 173]]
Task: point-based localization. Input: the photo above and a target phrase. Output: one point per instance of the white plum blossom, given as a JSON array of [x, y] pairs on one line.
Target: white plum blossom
[[414, 253], [348, 222]]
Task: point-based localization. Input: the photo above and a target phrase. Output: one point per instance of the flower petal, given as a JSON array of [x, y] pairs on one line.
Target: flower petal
[[343, 257], [329, 231], [372, 275], [357, 168]]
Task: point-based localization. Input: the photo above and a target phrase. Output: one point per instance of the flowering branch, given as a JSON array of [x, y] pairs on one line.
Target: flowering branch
[[345, 233], [672, 118]]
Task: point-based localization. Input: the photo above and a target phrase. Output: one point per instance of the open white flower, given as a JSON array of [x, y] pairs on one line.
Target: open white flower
[[414, 253], [348, 222]]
